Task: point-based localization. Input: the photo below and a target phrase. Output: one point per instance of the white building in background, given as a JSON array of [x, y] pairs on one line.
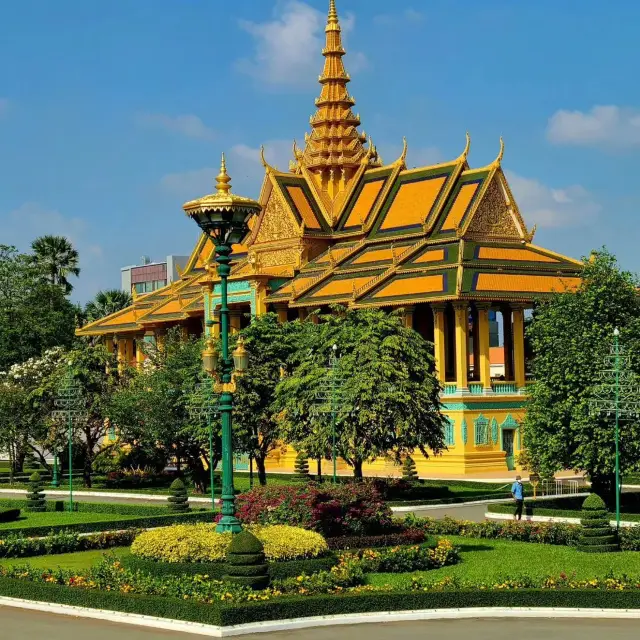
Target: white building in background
[[149, 276]]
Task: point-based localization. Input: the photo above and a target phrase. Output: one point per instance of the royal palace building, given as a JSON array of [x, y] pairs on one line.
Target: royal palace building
[[445, 243]]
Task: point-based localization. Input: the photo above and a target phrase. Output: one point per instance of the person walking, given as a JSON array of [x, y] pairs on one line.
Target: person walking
[[517, 491]]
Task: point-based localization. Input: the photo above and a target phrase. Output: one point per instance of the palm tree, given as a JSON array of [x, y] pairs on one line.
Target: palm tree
[[57, 258], [107, 302]]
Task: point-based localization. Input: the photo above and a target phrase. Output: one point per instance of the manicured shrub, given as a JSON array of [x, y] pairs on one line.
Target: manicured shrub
[[597, 535], [283, 542], [35, 496], [302, 466], [201, 543], [9, 515], [541, 532], [409, 472], [246, 563], [333, 510], [178, 500], [409, 536]]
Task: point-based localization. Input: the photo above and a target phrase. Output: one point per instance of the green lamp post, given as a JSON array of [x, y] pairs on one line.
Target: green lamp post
[[224, 217], [70, 404], [617, 394]]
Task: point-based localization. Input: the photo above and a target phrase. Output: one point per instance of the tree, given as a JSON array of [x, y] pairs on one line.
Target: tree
[[105, 303], [571, 333], [151, 411], [58, 260], [390, 402], [25, 334], [272, 346]]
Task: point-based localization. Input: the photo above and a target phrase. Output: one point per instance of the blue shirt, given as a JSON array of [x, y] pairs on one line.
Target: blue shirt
[[517, 490]]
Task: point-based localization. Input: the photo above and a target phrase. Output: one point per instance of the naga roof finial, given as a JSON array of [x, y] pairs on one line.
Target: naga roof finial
[[498, 160], [467, 146]]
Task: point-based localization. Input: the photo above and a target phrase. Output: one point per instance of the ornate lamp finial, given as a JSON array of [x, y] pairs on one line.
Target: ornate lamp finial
[[223, 180]]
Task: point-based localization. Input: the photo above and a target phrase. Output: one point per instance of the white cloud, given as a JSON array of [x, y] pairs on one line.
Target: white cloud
[[190, 184], [287, 48], [187, 125], [602, 126], [30, 220], [416, 156], [277, 153], [408, 15], [553, 207]]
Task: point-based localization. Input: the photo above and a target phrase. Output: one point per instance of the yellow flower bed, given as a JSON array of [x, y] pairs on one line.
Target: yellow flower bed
[[201, 543]]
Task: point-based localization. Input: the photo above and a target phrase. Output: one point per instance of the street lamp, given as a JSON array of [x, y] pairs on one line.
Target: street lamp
[[224, 217], [618, 393], [330, 395], [71, 408]]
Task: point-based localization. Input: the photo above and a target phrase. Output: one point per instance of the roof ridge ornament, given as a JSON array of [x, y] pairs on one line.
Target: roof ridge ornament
[[223, 181], [498, 160], [467, 146]]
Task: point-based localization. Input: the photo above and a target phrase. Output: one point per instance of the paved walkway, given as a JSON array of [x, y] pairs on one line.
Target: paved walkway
[[17, 625]]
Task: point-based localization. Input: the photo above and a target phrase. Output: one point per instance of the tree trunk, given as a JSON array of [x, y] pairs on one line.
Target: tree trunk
[[357, 469], [87, 470], [262, 472], [319, 475], [605, 486]]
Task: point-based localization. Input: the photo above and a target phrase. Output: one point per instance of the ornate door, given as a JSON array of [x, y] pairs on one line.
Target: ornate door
[[507, 447]]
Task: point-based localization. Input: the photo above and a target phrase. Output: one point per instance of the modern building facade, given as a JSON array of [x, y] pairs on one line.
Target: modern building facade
[[150, 276], [446, 243]]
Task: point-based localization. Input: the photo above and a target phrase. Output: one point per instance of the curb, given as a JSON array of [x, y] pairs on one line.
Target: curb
[[471, 503], [196, 628], [110, 494], [490, 515]]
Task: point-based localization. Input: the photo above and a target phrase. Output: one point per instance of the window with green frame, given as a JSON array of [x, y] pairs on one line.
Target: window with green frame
[[481, 425], [449, 431]]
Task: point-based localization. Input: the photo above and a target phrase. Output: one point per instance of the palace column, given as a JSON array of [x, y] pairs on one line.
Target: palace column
[[461, 310], [407, 316], [281, 310], [161, 338], [484, 346], [302, 313], [140, 357], [121, 354], [108, 345], [518, 345], [261, 293], [508, 342], [475, 338], [439, 340]]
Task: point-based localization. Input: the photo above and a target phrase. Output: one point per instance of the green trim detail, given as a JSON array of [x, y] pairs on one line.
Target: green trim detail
[[481, 430], [464, 430], [449, 432], [494, 431], [496, 406]]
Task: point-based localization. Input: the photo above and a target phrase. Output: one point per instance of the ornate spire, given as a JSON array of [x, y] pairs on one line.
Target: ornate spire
[[335, 149]]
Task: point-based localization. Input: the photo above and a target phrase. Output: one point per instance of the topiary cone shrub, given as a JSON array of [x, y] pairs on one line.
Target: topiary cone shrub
[[302, 466], [178, 500], [597, 535], [246, 564], [409, 472], [35, 496]]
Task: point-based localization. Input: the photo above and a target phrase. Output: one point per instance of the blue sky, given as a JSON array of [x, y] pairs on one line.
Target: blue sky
[[113, 113]]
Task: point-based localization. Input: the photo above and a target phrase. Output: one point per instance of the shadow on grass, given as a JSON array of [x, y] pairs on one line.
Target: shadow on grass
[[476, 547]]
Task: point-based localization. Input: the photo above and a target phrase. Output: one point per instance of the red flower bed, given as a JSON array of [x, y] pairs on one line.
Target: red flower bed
[[355, 508]]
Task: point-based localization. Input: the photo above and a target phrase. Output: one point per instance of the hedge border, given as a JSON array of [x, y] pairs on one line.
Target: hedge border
[[91, 507], [110, 525], [215, 570], [304, 607]]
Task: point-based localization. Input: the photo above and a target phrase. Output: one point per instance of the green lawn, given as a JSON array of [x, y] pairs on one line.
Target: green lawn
[[53, 518], [489, 560], [77, 561]]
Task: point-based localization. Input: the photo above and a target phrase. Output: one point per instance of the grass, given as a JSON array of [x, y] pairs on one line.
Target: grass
[[78, 561], [61, 518], [494, 560]]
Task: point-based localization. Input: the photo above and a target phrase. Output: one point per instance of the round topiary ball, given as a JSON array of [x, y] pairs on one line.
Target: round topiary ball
[[593, 502], [246, 563]]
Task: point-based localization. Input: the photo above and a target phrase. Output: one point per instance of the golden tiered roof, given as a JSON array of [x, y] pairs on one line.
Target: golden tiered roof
[[339, 227]]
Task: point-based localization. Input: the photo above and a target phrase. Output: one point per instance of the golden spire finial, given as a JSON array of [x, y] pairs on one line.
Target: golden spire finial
[[498, 160], [333, 13], [222, 179]]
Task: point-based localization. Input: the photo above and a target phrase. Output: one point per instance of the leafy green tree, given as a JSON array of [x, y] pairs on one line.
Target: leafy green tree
[[390, 402], [570, 335], [272, 346], [34, 315], [151, 411], [57, 259], [105, 303]]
